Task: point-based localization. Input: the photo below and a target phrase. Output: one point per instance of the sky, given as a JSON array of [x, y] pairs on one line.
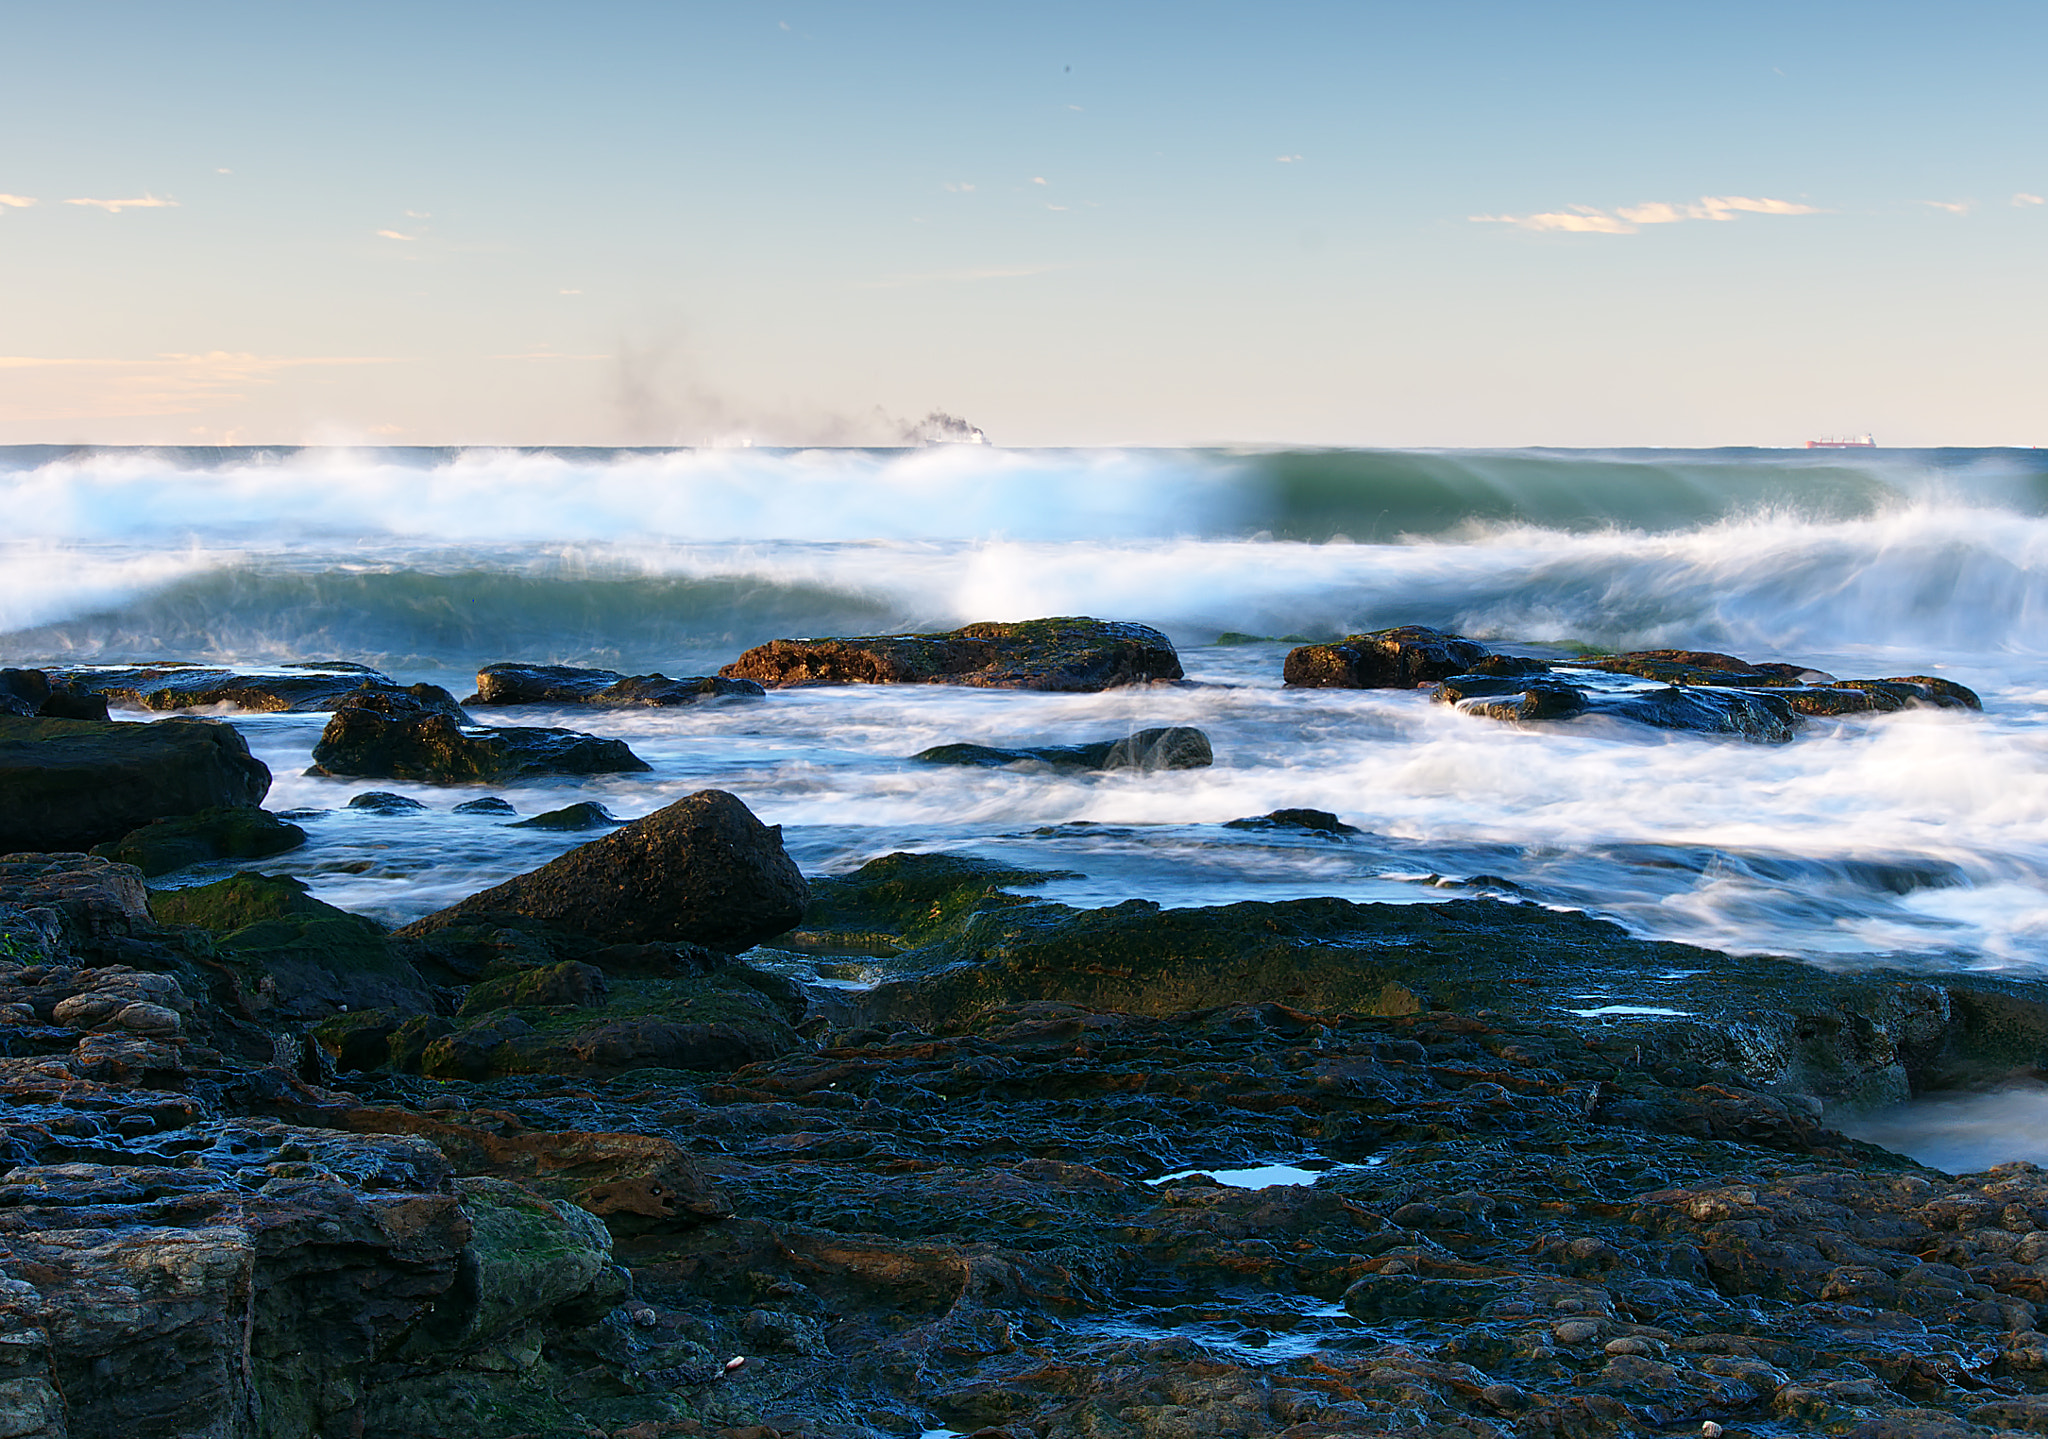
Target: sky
[[1460, 223]]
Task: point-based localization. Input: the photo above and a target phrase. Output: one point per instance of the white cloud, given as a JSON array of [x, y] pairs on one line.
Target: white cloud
[[1579, 218], [394, 235], [223, 170], [115, 207], [959, 187], [1286, 159], [15, 202], [568, 292], [419, 214], [1040, 180], [1954, 207], [1626, 219], [2023, 198]]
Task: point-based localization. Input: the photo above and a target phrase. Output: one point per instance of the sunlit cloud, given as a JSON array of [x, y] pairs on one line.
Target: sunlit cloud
[[568, 292], [1040, 180], [2023, 198], [115, 207], [1286, 159], [1627, 219], [394, 235], [958, 187], [1954, 207], [547, 354], [15, 202], [45, 388]]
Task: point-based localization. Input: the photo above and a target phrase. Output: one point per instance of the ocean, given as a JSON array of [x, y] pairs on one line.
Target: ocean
[[1917, 839]]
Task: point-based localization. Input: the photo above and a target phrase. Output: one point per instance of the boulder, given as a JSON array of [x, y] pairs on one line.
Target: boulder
[[1400, 658], [72, 784], [702, 869], [232, 832], [32, 694], [520, 684], [422, 734], [1178, 747], [315, 685], [1068, 654]]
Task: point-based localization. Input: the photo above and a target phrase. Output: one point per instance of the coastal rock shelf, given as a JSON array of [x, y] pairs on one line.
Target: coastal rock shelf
[[559, 1162], [1697, 690]]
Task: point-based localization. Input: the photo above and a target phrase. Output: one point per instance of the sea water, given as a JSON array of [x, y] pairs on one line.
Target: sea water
[[1919, 838]]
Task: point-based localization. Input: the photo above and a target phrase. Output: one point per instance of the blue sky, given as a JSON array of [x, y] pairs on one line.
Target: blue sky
[[1442, 224]]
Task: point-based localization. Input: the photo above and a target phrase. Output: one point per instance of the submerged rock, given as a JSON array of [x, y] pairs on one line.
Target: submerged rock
[[702, 869], [1315, 821], [383, 801], [1178, 747], [422, 734], [231, 832], [1066, 654], [523, 684], [72, 784], [315, 685], [587, 814]]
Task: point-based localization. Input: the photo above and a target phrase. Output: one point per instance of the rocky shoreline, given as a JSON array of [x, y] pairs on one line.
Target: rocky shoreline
[[665, 1138]]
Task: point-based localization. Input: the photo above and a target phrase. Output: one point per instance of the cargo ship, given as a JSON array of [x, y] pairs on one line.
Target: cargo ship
[[1845, 442]]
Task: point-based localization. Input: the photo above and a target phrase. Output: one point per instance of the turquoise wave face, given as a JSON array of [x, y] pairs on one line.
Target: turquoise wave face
[[960, 493]]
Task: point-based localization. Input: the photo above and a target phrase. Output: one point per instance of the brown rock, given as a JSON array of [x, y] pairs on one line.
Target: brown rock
[[1384, 659], [1066, 654]]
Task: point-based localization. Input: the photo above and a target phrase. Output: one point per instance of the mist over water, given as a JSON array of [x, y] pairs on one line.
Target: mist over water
[[1919, 838]]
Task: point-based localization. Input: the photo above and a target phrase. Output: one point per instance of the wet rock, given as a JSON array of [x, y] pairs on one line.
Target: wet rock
[[1178, 747], [1066, 654], [489, 804], [1315, 821], [234, 832], [1400, 658], [586, 814], [421, 734], [174, 685], [1706, 667], [702, 869], [521, 684], [1764, 717], [31, 694], [72, 784], [1502, 698], [381, 801]]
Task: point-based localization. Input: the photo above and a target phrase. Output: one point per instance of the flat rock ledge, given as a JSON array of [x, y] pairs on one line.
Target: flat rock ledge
[[1073, 654]]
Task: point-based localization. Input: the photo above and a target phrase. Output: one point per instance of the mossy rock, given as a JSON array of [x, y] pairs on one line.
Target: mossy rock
[[917, 897], [303, 956]]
